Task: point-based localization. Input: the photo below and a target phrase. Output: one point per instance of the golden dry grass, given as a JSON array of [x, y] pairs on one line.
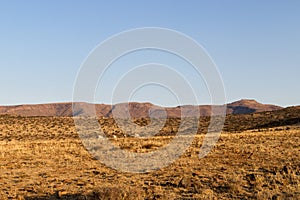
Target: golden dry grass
[[43, 158]]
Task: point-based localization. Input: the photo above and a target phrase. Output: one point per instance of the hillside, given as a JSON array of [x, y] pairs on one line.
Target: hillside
[[136, 110], [278, 119], [245, 106], [262, 120]]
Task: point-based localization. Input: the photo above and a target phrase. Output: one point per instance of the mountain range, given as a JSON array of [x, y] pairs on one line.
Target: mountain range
[[136, 110]]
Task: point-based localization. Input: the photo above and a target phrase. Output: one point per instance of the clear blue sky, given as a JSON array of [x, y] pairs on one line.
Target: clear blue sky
[[255, 44]]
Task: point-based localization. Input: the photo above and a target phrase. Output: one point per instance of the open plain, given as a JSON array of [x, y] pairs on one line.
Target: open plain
[[44, 158]]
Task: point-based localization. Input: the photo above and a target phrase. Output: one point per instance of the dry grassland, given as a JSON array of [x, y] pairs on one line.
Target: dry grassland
[[43, 158]]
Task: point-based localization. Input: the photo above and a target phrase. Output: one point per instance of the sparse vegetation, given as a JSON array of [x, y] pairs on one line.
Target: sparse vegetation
[[43, 158]]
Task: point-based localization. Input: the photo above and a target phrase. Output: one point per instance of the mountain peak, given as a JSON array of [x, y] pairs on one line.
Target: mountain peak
[[245, 106], [248, 100], [244, 102]]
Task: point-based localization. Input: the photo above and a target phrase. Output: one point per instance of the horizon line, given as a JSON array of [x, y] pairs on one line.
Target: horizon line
[[141, 102]]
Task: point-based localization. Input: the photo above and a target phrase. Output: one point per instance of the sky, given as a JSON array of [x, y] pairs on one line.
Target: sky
[[255, 45]]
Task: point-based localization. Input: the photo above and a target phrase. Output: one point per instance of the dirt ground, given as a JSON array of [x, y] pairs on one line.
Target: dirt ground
[[43, 158]]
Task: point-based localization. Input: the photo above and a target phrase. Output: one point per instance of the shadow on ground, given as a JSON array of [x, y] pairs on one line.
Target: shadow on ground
[[102, 193]]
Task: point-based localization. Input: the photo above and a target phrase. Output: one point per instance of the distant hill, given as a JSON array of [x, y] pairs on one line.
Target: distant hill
[[54, 109], [135, 109], [281, 119], [246, 106], [261, 120]]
